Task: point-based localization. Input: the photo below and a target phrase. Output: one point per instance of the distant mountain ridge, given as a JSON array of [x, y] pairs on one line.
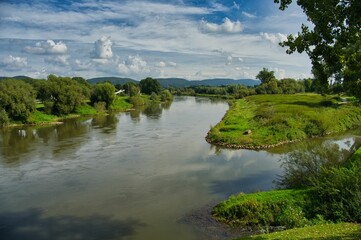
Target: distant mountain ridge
[[181, 82], [169, 82]]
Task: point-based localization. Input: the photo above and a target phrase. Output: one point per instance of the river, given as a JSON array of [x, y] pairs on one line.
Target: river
[[133, 175]]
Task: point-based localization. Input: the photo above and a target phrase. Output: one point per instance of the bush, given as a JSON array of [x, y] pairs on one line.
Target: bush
[[276, 208], [4, 119], [137, 100], [337, 193]]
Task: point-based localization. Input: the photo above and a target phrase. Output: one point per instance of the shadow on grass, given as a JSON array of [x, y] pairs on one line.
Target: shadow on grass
[[33, 225]]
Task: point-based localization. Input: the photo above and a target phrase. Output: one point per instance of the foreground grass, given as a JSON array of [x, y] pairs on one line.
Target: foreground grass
[[276, 119], [322, 231]]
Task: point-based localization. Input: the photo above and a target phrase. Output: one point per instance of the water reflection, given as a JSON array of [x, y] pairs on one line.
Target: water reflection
[[33, 225], [107, 123], [152, 110], [306, 159]]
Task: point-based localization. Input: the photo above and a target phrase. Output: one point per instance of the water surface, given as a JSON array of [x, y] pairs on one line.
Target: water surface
[[125, 176]]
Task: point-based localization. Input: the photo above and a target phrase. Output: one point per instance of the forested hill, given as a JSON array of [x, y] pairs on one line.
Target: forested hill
[[169, 82], [181, 82]]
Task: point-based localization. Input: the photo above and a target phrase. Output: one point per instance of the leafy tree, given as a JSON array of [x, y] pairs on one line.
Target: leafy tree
[[131, 89], [66, 94], [103, 92], [333, 44], [166, 96], [265, 75], [4, 119], [149, 85], [17, 98]]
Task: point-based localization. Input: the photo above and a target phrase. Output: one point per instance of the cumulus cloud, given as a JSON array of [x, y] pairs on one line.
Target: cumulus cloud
[[48, 47], [274, 38], [226, 27], [133, 64], [62, 60], [13, 63], [103, 48]]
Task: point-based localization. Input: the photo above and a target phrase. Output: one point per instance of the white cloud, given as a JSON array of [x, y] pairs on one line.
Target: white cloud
[[163, 64], [249, 15], [274, 38], [134, 64], [48, 47], [103, 48], [13, 63], [226, 27], [62, 60]]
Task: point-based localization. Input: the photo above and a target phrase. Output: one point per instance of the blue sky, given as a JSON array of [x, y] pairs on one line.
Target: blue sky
[[193, 39]]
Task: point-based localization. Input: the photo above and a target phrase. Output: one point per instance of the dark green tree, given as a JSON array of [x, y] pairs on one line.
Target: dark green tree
[[150, 85], [131, 89], [265, 75], [66, 94], [333, 42], [103, 92], [17, 98]]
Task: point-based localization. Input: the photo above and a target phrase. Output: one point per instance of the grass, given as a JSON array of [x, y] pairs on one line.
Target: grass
[[121, 103], [275, 119], [85, 109], [263, 209], [322, 231], [39, 117]]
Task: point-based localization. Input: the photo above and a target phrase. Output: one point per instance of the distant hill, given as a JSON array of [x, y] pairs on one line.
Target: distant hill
[[181, 82], [169, 82], [114, 80], [17, 77]]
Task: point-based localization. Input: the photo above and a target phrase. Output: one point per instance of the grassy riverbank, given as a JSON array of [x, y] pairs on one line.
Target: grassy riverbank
[[322, 231], [120, 104], [263, 121], [333, 195]]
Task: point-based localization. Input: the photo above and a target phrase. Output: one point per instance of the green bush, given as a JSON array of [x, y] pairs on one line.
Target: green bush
[[337, 193], [4, 119], [137, 100], [275, 208]]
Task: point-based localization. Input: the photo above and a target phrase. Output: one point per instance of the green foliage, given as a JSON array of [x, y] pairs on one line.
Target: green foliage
[[274, 208], [121, 104], [281, 118], [337, 192], [103, 92], [64, 94], [17, 98], [166, 96], [137, 101], [150, 85], [306, 162], [4, 119], [39, 117], [153, 96], [265, 75], [324, 231], [131, 89], [334, 44], [85, 109]]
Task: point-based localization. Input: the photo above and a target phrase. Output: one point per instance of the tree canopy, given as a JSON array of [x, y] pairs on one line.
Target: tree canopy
[[150, 85], [103, 92], [266, 75], [333, 44], [17, 98]]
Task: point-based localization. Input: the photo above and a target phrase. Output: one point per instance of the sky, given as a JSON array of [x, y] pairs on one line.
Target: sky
[[192, 39]]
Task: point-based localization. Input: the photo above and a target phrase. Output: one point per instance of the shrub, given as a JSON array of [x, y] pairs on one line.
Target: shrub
[[137, 100], [4, 119]]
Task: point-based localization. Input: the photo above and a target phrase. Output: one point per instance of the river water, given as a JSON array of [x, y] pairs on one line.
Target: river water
[[131, 175]]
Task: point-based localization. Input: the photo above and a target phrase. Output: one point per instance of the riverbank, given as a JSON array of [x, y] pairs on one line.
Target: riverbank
[[331, 196], [265, 121]]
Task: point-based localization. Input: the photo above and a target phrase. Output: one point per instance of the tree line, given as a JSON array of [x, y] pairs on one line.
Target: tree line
[[63, 95]]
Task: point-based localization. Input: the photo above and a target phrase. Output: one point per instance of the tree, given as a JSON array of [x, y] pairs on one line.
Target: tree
[[103, 92], [334, 44], [17, 99], [131, 89], [265, 75], [149, 85], [65, 94]]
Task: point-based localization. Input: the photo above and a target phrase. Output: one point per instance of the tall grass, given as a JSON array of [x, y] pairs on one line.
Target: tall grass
[[280, 118]]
